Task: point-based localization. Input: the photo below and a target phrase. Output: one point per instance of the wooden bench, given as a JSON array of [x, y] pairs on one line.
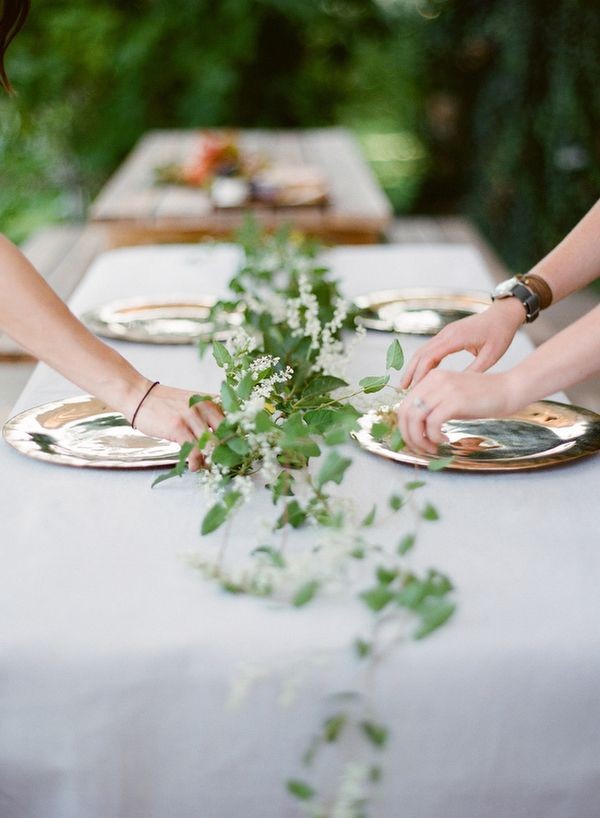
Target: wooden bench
[[137, 210]]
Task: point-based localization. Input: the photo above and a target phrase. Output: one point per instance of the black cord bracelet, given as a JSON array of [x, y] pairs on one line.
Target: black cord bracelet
[[139, 406]]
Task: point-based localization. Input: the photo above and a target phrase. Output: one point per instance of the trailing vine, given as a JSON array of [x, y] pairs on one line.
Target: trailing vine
[[289, 413]]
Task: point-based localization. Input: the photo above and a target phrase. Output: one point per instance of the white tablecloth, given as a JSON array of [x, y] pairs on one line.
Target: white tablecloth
[[116, 658]]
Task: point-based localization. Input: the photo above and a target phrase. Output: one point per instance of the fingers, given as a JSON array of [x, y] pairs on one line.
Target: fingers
[[412, 416], [448, 341], [483, 360], [196, 460], [211, 413]]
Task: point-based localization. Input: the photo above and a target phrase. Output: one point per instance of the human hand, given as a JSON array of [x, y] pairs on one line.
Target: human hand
[[166, 413], [443, 396], [487, 336]]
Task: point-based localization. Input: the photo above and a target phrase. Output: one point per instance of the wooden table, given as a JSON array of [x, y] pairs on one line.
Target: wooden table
[[136, 210]]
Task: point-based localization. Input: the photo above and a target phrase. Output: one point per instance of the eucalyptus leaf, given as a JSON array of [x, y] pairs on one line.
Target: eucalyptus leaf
[[322, 385], [395, 355], [300, 790], [376, 733], [221, 354], [434, 619], [374, 384], [377, 598], [333, 469], [406, 543], [430, 512], [439, 464], [199, 399], [305, 594], [214, 518]]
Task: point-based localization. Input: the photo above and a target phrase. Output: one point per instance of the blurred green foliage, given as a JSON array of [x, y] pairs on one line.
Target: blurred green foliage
[[483, 106]]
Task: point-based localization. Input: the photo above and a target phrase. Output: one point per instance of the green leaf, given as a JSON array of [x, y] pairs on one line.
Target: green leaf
[[406, 543], [221, 354], [375, 773], [333, 727], [214, 518], [273, 554], [224, 456], [396, 502], [373, 384], [395, 356], [385, 576], [300, 790], [245, 386], [239, 445], [377, 598], [333, 469], [441, 463], [166, 476], [396, 442], [282, 485], [376, 733], [199, 399], [322, 385], [304, 445], [414, 485], [362, 647], [434, 619], [380, 430], [430, 512], [305, 594], [293, 515], [229, 399], [263, 422], [180, 468], [370, 518], [320, 420], [204, 438]]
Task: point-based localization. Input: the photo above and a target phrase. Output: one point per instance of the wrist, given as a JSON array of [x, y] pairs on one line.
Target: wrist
[[516, 389], [123, 388], [511, 311]]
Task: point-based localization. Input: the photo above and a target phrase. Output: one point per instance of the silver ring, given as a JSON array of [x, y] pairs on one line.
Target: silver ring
[[420, 404]]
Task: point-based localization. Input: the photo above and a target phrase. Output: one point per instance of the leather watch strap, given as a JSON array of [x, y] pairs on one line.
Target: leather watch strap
[[540, 287], [529, 299]]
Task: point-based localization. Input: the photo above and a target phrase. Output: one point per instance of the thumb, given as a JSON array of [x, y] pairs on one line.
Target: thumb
[[481, 362]]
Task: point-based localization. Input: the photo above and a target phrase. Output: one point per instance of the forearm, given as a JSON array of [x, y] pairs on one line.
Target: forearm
[[574, 262], [33, 315], [563, 360]]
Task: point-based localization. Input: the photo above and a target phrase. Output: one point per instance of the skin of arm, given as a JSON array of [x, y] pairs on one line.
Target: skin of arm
[[572, 264], [33, 315], [569, 357]]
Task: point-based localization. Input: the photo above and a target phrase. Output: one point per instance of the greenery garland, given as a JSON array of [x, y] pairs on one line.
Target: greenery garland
[[288, 410]]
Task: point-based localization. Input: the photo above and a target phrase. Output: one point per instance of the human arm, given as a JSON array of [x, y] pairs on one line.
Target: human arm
[[572, 264], [565, 359], [33, 315]]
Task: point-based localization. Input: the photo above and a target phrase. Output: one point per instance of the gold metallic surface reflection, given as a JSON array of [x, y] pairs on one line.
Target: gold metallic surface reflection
[[85, 432], [546, 433], [417, 311], [179, 320]]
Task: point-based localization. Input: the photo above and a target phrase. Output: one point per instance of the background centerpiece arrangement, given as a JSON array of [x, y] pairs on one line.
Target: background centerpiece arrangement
[[289, 411], [237, 177]]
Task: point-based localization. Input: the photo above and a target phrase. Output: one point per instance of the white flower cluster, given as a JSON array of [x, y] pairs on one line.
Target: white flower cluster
[[352, 792], [264, 388], [240, 342], [303, 312], [267, 301]]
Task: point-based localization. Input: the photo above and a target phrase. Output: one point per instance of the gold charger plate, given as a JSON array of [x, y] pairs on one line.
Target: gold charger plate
[[545, 433], [83, 431], [177, 320], [417, 311]]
